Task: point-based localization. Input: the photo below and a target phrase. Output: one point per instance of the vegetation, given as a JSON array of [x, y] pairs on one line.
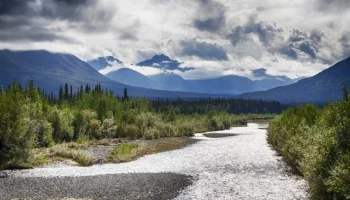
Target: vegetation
[[79, 157], [129, 152], [30, 118], [317, 142]]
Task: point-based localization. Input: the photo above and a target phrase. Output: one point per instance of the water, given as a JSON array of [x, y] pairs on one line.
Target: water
[[237, 167]]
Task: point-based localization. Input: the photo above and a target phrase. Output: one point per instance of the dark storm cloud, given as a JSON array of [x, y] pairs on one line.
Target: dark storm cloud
[[266, 32], [210, 16], [29, 20], [14, 7], [236, 35], [288, 51], [66, 9], [33, 34], [272, 37], [308, 43], [334, 5], [202, 50]]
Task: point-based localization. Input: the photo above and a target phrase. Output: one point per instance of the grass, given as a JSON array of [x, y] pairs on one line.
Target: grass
[[60, 153], [80, 157], [129, 152]]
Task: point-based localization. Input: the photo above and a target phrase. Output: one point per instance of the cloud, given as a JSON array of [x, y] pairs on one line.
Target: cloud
[[210, 16], [203, 50], [147, 71], [294, 38], [333, 5], [266, 31]]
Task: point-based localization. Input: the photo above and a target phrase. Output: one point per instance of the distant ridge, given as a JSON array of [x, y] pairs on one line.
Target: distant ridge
[[51, 70], [320, 88]]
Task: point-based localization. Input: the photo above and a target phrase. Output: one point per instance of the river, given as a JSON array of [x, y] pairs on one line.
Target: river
[[241, 166]]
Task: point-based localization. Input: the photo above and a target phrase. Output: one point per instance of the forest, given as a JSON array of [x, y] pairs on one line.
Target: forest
[[31, 118], [317, 143]]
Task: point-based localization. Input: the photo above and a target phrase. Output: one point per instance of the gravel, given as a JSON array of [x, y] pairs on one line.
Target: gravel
[[117, 186]]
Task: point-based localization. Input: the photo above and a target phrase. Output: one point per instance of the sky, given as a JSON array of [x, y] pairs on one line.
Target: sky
[[215, 37]]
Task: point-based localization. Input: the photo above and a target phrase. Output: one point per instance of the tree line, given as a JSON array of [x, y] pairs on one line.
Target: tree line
[[31, 118]]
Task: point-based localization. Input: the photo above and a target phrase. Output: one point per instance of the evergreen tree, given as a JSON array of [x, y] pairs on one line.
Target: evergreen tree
[[125, 95], [61, 95], [81, 91], [66, 91], [345, 91], [87, 89], [71, 93]]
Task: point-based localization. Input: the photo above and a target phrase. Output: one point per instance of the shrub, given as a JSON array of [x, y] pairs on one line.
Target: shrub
[[62, 121], [44, 134], [131, 131], [151, 134], [94, 129], [317, 143], [15, 139], [124, 153]]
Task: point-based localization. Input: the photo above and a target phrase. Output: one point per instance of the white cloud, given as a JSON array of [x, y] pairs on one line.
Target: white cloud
[[134, 30], [147, 71]]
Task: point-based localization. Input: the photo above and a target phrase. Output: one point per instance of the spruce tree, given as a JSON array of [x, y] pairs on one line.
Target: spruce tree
[[125, 96], [60, 94], [71, 93], [66, 91]]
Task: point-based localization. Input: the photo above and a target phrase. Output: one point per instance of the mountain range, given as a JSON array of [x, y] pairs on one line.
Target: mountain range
[[320, 88], [49, 71], [231, 84]]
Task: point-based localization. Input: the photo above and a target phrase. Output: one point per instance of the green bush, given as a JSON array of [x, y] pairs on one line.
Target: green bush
[[15, 139], [131, 131], [317, 143], [94, 129]]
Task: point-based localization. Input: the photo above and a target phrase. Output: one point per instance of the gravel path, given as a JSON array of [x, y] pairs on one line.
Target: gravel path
[[117, 186], [239, 167]]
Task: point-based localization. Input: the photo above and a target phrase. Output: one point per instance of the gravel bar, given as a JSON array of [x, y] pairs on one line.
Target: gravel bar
[[116, 186]]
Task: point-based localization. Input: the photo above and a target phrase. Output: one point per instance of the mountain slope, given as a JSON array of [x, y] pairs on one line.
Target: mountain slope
[[322, 87], [265, 81], [225, 85], [163, 62], [51, 70], [130, 77], [103, 62], [170, 82]]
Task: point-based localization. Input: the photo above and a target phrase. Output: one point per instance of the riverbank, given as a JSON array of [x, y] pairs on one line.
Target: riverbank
[[104, 151]]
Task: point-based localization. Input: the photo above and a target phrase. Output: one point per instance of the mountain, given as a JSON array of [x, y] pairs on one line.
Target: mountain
[[103, 62], [169, 81], [320, 88], [231, 84], [130, 77], [163, 62], [265, 81], [51, 70], [223, 85]]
